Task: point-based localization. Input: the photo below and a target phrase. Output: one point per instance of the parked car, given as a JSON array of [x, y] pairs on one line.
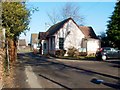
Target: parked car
[[106, 53]]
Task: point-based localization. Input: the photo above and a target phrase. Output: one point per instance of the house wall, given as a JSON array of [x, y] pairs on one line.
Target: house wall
[[92, 46], [73, 37], [71, 34]]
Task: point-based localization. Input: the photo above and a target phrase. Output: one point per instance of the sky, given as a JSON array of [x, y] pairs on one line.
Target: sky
[[95, 13]]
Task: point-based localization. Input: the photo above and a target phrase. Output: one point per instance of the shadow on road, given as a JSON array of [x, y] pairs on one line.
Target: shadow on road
[[36, 60], [97, 81], [114, 63], [55, 82]]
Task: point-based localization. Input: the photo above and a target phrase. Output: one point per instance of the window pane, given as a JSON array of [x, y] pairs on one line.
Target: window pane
[[61, 43], [44, 45]]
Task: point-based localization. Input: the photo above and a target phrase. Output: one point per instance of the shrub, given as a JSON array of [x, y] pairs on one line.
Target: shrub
[[72, 52], [60, 52], [83, 53]]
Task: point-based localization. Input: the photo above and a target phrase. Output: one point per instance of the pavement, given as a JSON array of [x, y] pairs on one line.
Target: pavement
[[32, 78]]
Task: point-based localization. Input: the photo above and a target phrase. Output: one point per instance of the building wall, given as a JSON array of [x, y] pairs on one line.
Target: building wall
[[73, 37], [34, 39], [92, 46], [71, 34]]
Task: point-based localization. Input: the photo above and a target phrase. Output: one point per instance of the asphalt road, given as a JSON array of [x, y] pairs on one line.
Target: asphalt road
[[68, 74]]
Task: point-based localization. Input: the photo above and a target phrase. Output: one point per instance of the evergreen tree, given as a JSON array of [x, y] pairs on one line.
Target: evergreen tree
[[113, 31], [15, 19]]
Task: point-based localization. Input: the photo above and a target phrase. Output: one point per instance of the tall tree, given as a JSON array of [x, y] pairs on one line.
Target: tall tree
[[73, 11], [67, 11], [104, 40], [15, 19], [113, 31]]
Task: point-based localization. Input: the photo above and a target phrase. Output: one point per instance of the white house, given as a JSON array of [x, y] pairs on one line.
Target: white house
[[66, 34]]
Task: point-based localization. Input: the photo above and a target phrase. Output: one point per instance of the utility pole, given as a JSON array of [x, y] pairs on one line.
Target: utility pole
[[7, 52], [6, 45]]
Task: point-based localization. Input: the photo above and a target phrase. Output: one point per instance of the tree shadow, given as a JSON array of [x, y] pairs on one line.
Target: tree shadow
[[37, 60], [114, 63], [115, 86], [53, 81], [97, 81]]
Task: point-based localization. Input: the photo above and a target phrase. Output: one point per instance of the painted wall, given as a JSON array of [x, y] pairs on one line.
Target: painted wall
[[92, 46], [71, 34]]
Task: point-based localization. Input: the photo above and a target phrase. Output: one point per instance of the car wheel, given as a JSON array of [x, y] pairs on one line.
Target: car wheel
[[104, 58]]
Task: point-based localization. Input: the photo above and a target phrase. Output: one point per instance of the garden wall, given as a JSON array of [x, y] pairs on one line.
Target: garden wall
[[2, 54]]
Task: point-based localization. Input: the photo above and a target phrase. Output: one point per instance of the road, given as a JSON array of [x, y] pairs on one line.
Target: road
[[41, 72]]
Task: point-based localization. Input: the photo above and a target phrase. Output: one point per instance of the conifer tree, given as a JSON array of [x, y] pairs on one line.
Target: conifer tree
[[113, 31]]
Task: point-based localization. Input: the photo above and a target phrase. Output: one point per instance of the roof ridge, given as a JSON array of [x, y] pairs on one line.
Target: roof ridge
[[54, 28]]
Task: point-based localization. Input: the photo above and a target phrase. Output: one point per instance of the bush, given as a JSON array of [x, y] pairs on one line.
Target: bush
[[60, 52], [72, 52], [83, 53]]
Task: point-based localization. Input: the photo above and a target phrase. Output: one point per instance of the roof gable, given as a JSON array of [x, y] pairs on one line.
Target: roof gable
[[88, 32], [42, 35], [53, 29]]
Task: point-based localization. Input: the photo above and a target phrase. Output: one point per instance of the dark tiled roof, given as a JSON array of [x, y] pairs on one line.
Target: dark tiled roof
[[42, 35], [88, 32], [53, 29]]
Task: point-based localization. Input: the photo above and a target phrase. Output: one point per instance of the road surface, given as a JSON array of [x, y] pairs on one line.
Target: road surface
[[41, 72]]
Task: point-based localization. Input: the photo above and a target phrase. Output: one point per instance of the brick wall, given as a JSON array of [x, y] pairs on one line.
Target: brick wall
[[1, 67]]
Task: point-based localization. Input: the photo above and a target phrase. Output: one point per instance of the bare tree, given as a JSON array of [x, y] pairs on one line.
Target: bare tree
[[73, 11], [67, 11], [53, 16]]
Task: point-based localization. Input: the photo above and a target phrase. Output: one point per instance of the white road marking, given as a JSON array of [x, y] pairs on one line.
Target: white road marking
[[32, 78]]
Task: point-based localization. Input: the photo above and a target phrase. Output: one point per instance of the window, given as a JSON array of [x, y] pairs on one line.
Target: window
[[61, 43], [44, 45], [51, 42]]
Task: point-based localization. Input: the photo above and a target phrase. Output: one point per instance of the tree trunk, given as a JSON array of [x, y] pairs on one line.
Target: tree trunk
[[12, 50]]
